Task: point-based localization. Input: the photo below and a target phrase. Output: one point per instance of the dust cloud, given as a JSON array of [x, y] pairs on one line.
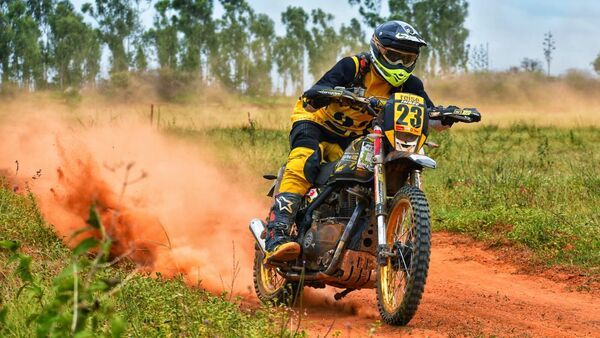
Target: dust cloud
[[163, 202]]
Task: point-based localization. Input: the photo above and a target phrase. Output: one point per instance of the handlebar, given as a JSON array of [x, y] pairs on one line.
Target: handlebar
[[373, 105], [455, 114]]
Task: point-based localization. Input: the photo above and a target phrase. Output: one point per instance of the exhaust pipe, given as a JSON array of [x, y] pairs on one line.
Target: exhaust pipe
[[257, 227]]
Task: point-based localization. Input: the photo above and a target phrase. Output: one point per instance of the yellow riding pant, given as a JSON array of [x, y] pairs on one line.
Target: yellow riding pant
[[311, 145]]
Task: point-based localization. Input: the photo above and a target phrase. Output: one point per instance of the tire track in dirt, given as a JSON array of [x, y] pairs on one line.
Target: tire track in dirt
[[469, 292]]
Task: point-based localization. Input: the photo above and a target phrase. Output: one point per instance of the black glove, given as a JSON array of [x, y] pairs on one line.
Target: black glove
[[446, 119], [314, 98]]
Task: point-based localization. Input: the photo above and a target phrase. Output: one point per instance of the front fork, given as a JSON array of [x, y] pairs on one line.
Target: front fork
[[384, 251]]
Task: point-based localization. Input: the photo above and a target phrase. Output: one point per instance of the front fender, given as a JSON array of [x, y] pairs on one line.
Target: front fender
[[421, 161]]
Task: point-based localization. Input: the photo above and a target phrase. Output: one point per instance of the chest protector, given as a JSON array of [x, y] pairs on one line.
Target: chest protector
[[349, 121]]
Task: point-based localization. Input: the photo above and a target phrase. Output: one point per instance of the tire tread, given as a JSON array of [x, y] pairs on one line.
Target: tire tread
[[419, 262]]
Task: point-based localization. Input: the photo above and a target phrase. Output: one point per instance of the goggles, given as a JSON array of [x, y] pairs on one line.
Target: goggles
[[394, 56]]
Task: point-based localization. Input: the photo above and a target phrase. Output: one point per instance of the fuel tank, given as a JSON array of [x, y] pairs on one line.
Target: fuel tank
[[357, 162]]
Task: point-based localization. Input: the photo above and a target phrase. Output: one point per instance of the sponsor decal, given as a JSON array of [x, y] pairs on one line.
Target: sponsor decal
[[365, 160], [312, 194], [406, 98]]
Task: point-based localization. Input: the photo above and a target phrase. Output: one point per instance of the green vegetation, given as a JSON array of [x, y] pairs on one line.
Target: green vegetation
[[52, 44], [41, 281], [525, 185], [539, 187], [596, 64]]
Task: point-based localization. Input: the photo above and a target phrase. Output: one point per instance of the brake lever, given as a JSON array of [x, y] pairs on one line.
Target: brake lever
[[461, 118], [349, 95], [370, 110], [435, 115]]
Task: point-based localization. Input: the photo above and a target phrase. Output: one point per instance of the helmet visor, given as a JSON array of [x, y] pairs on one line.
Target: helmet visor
[[396, 57]]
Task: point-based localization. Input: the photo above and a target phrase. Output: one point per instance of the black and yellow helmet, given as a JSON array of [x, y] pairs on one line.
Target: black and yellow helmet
[[395, 49]]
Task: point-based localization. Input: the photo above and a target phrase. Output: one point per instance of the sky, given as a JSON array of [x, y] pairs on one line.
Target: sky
[[513, 29]]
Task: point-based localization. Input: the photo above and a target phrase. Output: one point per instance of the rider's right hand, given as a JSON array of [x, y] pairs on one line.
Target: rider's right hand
[[306, 104]]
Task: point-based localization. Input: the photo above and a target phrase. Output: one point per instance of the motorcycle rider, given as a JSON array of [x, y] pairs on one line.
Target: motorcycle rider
[[322, 129]]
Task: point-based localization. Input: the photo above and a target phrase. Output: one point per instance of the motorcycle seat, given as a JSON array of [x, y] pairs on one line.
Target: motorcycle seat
[[325, 173]]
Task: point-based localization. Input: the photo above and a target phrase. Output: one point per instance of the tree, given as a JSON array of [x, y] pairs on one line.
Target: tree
[[323, 45], [262, 30], [479, 58], [352, 38], [194, 19], [25, 64], [231, 61], [596, 64], [41, 11], [326, 46], [549, 47], [6, 38], [369, 10], [73, 46], [164, 36], [117, 20], [141, 60], [291, 48], [531, 65], [442, 25], [282, 53]]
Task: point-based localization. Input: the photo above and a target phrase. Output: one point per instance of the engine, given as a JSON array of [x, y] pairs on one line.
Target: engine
[[320, 241], [329, 222]]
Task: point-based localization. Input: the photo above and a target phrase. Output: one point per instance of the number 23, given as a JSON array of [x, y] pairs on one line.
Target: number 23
[[415, 120]]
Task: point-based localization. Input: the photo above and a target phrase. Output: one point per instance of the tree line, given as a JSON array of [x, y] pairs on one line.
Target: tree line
[[53, 44]]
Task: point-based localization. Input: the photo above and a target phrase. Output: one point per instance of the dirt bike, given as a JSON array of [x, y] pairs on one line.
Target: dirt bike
[[365, 222]]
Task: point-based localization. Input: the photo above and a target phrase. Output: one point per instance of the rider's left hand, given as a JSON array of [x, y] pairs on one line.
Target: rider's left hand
[[447, 120]]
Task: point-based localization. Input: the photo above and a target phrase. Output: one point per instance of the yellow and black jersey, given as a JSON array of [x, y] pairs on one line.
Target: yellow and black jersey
[[348, 121]]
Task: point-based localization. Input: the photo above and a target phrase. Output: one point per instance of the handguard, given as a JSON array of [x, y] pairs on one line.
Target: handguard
[[452, 114]]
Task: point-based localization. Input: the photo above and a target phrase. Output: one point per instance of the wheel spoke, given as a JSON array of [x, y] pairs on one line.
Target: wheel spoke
[[409, 228], [401, 280], [404, 263], [272, 281], [402, 233], [398, 287]]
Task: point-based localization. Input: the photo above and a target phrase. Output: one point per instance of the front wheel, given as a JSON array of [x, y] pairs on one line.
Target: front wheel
[[401, 281], [271, 287]]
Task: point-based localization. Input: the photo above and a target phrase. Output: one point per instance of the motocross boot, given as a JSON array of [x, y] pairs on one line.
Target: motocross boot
[[279, 245]]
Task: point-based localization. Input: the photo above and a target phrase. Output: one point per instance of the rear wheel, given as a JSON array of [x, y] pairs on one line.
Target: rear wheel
[[401, 281], [270, 286]]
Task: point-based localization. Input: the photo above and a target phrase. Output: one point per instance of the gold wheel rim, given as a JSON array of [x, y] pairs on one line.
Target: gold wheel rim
[[271, 281], [393, 281]]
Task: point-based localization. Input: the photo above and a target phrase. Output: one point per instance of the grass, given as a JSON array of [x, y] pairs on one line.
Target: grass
[[539, 187], [146, 306], [536, 187], [523, 185]]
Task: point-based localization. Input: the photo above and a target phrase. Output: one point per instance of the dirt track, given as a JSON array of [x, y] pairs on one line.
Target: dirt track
[[469, 292]]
